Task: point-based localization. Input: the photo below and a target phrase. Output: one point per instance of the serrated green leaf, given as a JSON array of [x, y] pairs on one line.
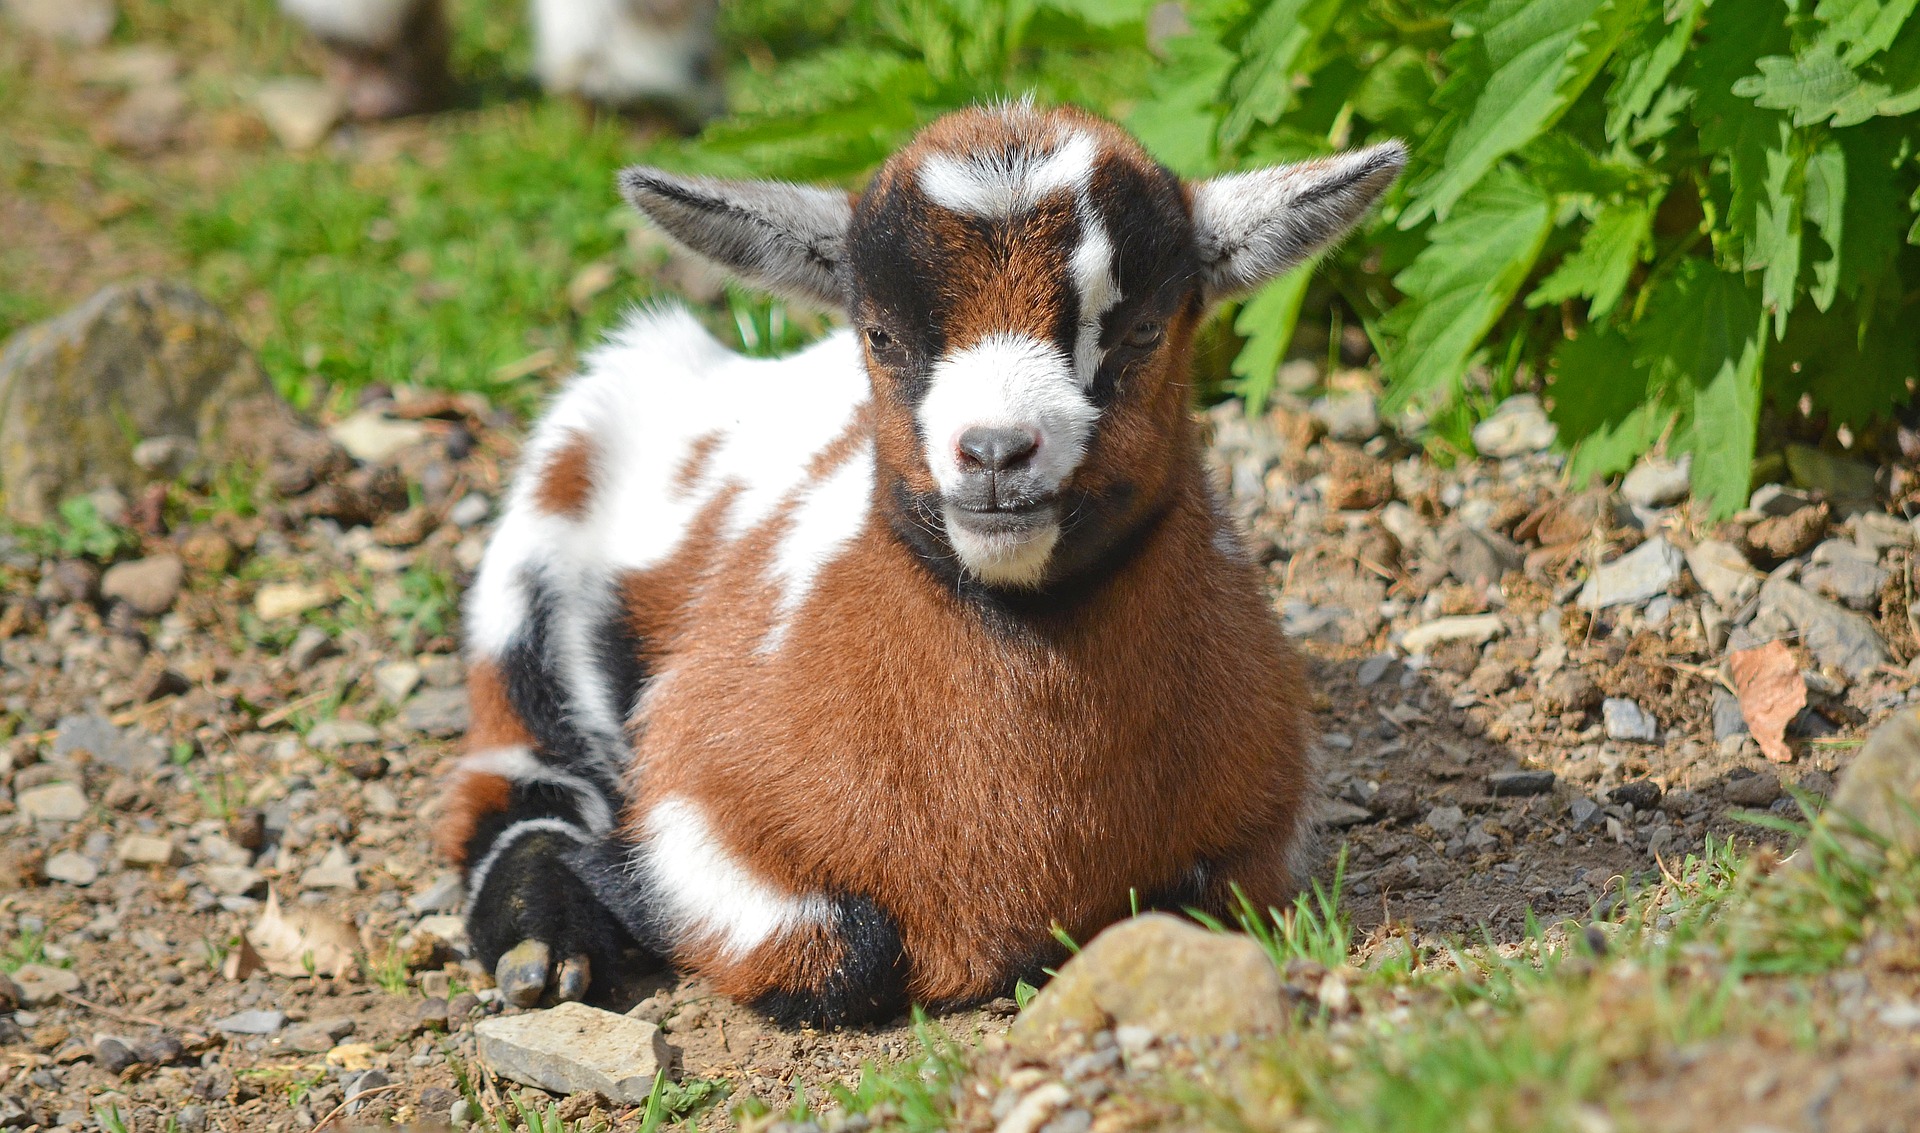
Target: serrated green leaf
[[1261, 86], [1599, 399], [1458, 286], [1598, 269], [1524, 62], [1267, 321], [1180, 118], [1864, 27], [1826, 179], [1702, 342], [1775, 242], [1814, 86], [1641, 88]]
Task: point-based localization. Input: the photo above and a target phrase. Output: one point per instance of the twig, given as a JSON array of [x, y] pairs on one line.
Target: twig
[[342, 1107], [123, 1016], [285, 710]]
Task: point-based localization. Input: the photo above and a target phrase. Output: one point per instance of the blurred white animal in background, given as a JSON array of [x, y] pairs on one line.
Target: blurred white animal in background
[[389, 57]]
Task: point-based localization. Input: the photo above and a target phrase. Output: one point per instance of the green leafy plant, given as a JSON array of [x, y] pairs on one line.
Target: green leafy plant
[[79, 531], [1673, 213]]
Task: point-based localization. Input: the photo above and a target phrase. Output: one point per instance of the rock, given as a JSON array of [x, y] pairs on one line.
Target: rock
[[334, 871], [1356, 481], [113, 1055], [309, 646], [1656, 482], [148, 586], [299, 111], [1881, 788], [1570, 690], [41, 984], [316, 1036], [208, 551], [191, 1118], [1477, 629], [371, 437], [1394, 800], [141, 359], [255, 1022], [436, 712], [1641, 794], [70, 868], [1634, 577], [1844, 572], [70, 580], [1728, 718], [1351, 416], [1724, 573], [522, 972], [1162, 973], [1586, 813], [1373, 668], [84, 23], [332, 735], [1446, 821], [1476, 557], [1780, 538], [367, 1082], [573, 1049], [1338, 814], [234, 880], [472, 509], [1757, 790], [1836, 637], [9, 995], [54, 802], [1626, 720], [1517, 426], [444, 895], [1514, 784], [278, 600], [430, 1014], [396, 680], [129, 751], [1778, 500]]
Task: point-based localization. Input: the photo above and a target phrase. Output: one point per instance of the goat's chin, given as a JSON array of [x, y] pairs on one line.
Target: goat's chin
[[1013, 556]]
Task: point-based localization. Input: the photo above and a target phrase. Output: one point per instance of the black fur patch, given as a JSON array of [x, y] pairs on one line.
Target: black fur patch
[[531, 894], [869, 986], [540, 697]]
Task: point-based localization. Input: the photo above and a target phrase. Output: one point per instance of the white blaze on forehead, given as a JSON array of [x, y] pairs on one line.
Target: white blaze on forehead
[[1007, 380], [1004, 183]]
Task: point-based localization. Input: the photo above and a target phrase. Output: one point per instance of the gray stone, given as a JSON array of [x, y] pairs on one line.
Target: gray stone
[[1446, 820], [1757, 790], [255, 1022], [84, 23], [1845, 572], [1634, 577], [1476, 557], [234, 880], [444, 895], [1835, 636], [1776, 500], [71, 868], [473, 508], [309, 646], [1656, 482], [1519, 425], [363, 1084], [1159, 972], [141, 359], [41, 984], [1641, 794], [316, 1036], [1728, 719], [1351, 416], [1476, 628], [1586, 813], [1881, 788], [191, 1118], [1505, 784], [1626, 720], [299, 111], [1724, 573], [436, 712], [334, 871], [148, 586], [332, 735], [53, 802], [130, 751], [1374, 668], [396, 680], [574, 1049], [1338, 814], [165, 457]]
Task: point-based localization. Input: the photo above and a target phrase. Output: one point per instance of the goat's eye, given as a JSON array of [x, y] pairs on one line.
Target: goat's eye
[[878, 341], [1145, 334]]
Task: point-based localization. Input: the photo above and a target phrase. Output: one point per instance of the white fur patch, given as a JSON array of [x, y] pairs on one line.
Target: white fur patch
[[518, 764], [825, 519], [704, 893], [1099, 291], [1007, 380], [1007, 184]]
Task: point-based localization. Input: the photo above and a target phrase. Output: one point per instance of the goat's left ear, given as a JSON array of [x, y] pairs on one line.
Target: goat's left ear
[[1254, 226], [790, 239]]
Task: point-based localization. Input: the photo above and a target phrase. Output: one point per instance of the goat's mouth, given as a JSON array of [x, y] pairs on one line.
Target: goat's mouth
[[1005, 545]]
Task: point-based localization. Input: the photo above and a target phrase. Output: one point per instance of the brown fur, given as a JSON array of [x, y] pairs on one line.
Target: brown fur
[[471, 796], [566, 483]]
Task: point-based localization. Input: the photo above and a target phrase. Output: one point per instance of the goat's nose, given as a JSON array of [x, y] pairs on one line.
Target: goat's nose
[[985, 448]]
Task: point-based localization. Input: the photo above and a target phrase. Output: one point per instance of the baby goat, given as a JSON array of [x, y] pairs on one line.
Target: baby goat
[[839, 679]]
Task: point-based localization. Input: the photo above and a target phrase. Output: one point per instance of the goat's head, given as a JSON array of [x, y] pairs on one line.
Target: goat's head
[[1026, 285]]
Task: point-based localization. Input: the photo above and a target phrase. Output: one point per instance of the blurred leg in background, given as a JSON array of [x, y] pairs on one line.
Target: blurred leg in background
[[387, 57], [630, 54]]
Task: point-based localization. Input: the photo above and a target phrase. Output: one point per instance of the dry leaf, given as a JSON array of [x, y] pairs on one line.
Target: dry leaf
[[1772, 692], [241, 962], [302, 942]]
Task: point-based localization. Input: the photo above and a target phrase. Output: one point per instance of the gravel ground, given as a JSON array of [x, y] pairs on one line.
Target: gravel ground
[[271, 717]]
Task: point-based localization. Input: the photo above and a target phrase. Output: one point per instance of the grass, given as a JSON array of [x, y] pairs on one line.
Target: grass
[[28, 947]]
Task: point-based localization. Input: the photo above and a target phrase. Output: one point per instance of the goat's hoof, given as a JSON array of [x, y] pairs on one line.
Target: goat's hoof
[[522, 972], [571, 978]]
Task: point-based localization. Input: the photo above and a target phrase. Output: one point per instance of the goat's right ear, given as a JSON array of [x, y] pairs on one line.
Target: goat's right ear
[[790, 239]]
